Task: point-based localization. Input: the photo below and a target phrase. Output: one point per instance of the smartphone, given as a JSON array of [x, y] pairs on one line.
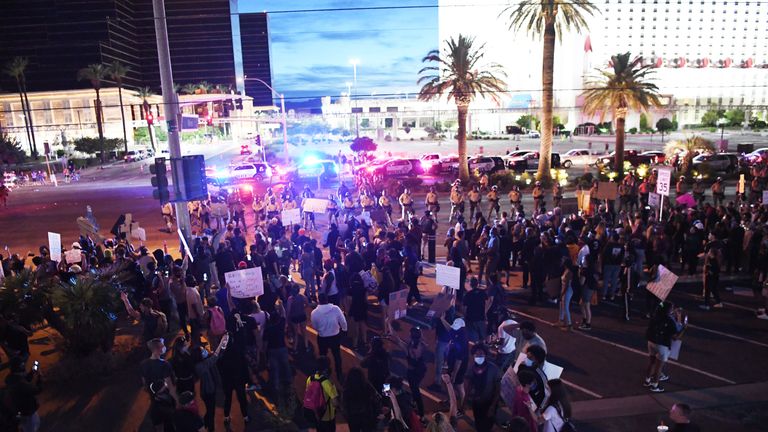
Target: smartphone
[[385, 389], [35, 366]]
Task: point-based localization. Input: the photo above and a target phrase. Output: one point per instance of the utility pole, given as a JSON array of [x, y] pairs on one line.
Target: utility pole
[[172, 117]]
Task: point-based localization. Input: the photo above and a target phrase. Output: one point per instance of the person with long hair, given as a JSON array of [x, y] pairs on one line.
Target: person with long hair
[[557, 410], [360, 402], [183, 365], [417, 367], [377, 363]]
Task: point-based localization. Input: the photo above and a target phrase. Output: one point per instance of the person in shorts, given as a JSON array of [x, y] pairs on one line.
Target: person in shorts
[[661, 329]]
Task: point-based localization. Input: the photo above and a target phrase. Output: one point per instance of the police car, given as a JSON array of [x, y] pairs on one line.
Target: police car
[[398, 168], [486, 164], [256, 171]]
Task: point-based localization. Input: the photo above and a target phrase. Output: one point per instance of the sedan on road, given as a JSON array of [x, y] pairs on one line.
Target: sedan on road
[[725, 162], [256, 171], [577, 157], [486, 164]]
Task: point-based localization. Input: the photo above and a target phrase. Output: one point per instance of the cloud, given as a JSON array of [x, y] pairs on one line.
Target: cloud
[[355, 35]]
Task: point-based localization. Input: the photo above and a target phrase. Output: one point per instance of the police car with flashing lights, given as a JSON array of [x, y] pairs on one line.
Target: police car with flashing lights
[[310, 167], [250, 170], [398, 168]]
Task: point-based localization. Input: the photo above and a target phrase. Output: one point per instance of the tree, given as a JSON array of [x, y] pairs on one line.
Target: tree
[[757, 123], [118, 71], [711, 117], [688, 147], [527, 121], [188, 89], [547, 19], [87, 308], [363, 144], [15, 69], [95, 73], [557, 123], [735, 117], [203, 87], [664, 125], [10, 150], [90, 145], [144, 93], [457, 72], [644, 123], [626, 87]]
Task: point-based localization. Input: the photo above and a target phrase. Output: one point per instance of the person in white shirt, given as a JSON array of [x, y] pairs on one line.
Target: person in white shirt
[[505, 332], [329, 321]]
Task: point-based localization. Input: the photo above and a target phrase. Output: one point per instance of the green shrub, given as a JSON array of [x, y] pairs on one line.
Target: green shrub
[[633, 130]]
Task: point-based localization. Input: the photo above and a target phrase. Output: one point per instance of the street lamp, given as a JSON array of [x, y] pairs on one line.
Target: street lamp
[[282, 108], [722, 122], [354, 62]]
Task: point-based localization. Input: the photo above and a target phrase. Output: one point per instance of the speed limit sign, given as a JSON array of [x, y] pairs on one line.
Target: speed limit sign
[[663, 180]]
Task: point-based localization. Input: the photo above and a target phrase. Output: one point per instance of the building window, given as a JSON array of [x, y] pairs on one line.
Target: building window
[[391, 109], [357, 110], [374, 109]]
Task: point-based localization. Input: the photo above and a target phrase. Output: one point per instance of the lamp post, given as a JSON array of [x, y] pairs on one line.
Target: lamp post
[[354, 62], [282, 108]]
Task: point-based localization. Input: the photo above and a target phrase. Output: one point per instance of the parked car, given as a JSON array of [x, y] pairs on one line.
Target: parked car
[[256, 171], [430, 162], [397, 168], [323, 168], [631, 156], [530, 161], [725, 162], [534, 134], [654, 156], [508, 159], [486, 164], [755, 156], [135, 155], [577, 157]]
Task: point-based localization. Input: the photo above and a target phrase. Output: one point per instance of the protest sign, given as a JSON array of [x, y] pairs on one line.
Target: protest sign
[[245, 283], [139, 233], [674, 349], [552, 371], [663, 180], [607, 191], [88, 229], [654, 199], [73, 256], [291, 217], [765, 197], [447, 276], [54, 246], [315, 205], [398, 305], [663, 283], [440, 304], [364, 216]]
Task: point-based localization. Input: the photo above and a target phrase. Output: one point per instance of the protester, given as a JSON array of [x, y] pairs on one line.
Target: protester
[[483, 388], [321, 400], [157, 378], [22, 388], [329, 321], [361, 402], [661, 329]]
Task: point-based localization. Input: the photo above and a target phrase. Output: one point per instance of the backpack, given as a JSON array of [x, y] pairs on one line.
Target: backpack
[[217, 325], [162, 323], [314, 397]]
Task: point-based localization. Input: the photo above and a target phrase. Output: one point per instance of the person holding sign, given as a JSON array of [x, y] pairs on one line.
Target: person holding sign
[[661, 329]]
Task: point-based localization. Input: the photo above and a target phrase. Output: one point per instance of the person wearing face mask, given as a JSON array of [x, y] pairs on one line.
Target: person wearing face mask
[[417, 366], [210, 380], [157, 379], [183, 365], [534, 362], [457, 359], [526, 337], [483, 381]]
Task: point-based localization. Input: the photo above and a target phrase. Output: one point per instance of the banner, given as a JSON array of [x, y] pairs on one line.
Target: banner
[[440, 304], [315, 205], [607, 191], [398, 304], [54, 246], [245, 283], [291, 217], [447, 276], [663, 283]]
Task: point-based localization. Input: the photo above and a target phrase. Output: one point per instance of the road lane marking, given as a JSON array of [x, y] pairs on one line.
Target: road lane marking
[[632, 350], [581, 389]]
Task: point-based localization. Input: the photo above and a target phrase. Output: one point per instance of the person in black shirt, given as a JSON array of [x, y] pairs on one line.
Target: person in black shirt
[[22, 388], [157, 377], [14, 339], [476, 303], [277, 353], [187, 418], [183, 365], [233, 366]]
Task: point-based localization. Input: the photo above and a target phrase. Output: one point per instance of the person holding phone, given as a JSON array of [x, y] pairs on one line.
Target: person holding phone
[[23, 389]]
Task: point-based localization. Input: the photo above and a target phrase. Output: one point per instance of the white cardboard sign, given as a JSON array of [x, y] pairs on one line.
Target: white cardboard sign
[[654, 199], [291, 216], [245, 283], [448, 276], [315, 205], [73, 256], [54, 246], [664, 283], [765, 197], [663, 181]]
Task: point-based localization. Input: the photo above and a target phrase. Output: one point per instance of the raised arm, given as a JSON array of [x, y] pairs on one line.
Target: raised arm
[[128, 308]]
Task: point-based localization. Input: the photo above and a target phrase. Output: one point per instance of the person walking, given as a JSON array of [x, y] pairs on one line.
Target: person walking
[[659, 333], [712, 266], [321, 399], [233, 366], [209, 378], [329, 321], [483, 388], [360, 402], [417, 366], [157, 379]]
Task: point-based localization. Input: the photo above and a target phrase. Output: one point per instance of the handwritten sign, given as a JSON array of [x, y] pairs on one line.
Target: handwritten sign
[[398, 304], [654, 199], [448, 276], [552, 371], [73, 256], [315, 205], [663, 181], [54, 246], [291, 216], [663, 284], [440, 304], [245, 283]]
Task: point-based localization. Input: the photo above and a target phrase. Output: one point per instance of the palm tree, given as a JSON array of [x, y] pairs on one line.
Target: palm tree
[[189, 89], [15, 69], [627, 87], [221, 88], [455, 72], [144, 93], [688, 147], [95, 73], [547, 19], [204, 87], [118, 71]]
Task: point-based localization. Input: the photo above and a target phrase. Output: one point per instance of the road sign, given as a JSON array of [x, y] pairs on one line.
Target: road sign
[[663, 181]]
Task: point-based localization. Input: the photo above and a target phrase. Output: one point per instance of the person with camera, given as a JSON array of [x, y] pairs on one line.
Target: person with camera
[[22, 388]]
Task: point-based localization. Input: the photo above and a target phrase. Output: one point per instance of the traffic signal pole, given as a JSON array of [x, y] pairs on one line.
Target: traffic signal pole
[[172, 117]]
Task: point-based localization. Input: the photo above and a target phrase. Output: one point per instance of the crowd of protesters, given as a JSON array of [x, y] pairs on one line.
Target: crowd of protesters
[[336, 279]]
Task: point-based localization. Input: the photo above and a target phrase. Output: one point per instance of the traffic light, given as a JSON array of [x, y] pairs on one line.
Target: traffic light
[[160, 180], [195, 182], [150, 118]]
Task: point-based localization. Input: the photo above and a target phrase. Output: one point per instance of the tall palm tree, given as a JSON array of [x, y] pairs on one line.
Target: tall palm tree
[[118, 71], [688, 147], [189, 89], [627, 87], [548, 19], [95, 73], [457, 73], [144, 93], [15, 69]]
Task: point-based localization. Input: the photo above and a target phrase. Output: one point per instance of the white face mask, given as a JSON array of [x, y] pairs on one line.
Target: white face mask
[[528, 362], [479, 360], [162, 351]]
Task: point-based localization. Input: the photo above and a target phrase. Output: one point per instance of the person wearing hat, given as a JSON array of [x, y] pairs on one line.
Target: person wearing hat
[[386, 204], [457, 357], [515, 198], [557, 194], [698, 191], [493, 201], [431, 201], [538, 196], [457, 201], [349, 205], [475, 198], [406, 204], [681, 188]]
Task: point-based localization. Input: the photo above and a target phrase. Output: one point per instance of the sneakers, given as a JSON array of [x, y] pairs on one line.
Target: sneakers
[[763, 316], [585, 326], [656, 388], [663, 378], [647, 382], [718, 305], [704, 307]]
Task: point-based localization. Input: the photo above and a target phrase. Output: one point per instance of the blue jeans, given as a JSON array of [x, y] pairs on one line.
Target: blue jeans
[[611, 279], [279, 367], [565, 303], [442, 348]]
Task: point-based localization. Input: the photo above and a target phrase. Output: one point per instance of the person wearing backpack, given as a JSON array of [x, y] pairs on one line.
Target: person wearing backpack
[[217, 322], [155, 322], [360, 401], [557, 411], [321, 398]]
